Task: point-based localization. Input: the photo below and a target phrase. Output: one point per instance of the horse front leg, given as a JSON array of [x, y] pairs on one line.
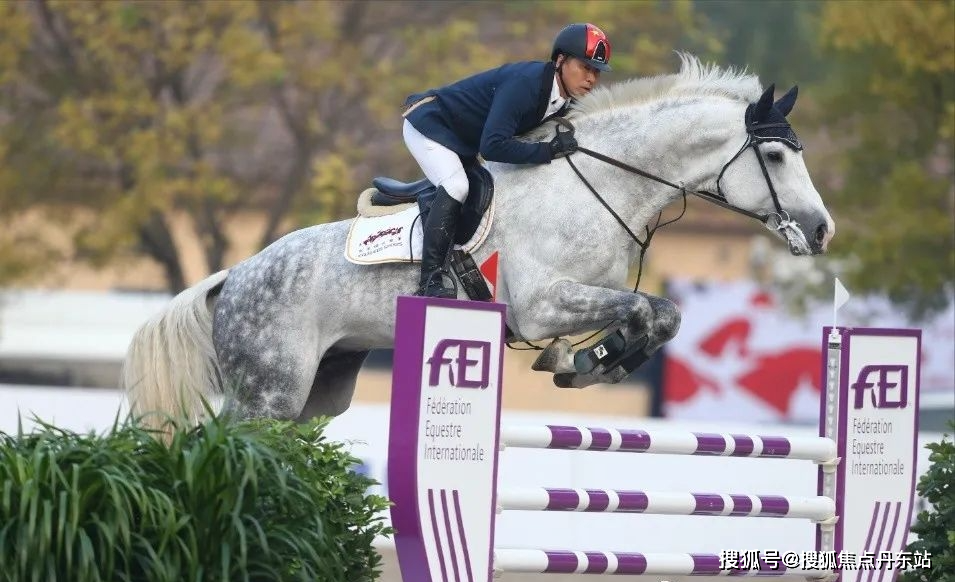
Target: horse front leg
[[644, 323]]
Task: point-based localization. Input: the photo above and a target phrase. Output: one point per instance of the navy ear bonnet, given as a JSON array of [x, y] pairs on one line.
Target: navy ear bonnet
[[766, 121]]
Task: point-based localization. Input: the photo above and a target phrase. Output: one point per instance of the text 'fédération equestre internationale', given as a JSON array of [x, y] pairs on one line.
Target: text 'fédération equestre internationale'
[[444, 437]]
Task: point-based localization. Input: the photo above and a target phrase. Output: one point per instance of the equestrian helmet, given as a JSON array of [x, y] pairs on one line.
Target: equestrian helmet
[[585, 42]]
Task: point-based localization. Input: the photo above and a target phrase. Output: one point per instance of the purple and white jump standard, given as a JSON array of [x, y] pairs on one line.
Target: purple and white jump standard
[[445, 438]]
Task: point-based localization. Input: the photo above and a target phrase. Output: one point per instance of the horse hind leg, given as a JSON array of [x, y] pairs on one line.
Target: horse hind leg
[[334, 385], [264, 374]]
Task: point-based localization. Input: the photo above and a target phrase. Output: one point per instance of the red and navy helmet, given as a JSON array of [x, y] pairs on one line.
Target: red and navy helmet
[[586, 42]]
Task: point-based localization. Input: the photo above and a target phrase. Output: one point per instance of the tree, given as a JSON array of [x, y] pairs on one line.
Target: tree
[[116, 116], [773, 38], [935, 525], [889, 108]]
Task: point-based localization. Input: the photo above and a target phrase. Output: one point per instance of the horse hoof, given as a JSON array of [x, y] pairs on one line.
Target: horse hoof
[[574, 380], [565, 380], [615, 376], [553, 356]]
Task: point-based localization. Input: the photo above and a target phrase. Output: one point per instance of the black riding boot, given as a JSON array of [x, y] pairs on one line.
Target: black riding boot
[[439, 229]]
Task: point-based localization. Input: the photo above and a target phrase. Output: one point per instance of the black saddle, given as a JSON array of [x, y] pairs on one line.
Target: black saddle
[[391, 192]]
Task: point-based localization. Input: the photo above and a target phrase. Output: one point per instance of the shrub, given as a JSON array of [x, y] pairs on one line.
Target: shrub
[[352, 519], [253, 501], [935, 526]]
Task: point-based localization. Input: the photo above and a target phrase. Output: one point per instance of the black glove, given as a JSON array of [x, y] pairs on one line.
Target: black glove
[[562, 145]]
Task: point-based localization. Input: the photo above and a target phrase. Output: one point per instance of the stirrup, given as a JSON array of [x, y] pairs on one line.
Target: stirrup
[[439, 291]]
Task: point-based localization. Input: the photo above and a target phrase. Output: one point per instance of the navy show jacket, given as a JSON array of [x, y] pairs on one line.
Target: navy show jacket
[[481, 114]]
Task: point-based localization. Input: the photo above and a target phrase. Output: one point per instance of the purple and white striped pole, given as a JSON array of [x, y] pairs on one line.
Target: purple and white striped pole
[[665, 503], [580, 438], [598, 562]]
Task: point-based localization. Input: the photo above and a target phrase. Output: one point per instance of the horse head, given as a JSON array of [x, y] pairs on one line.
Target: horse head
[[708, 131], [767, 177]]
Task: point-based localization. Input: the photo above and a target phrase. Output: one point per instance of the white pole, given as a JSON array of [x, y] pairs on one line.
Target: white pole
[[840, 296]]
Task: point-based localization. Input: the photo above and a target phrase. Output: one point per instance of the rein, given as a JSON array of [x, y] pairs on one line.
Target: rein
[[719, 198]]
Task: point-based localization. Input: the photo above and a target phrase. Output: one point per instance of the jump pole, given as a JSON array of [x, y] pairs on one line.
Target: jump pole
[[445, 437]]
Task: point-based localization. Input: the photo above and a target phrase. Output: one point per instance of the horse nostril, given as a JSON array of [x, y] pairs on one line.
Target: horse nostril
[[821, 231]]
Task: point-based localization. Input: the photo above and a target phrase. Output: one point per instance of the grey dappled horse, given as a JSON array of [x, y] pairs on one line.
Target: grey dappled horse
[[288, 328]]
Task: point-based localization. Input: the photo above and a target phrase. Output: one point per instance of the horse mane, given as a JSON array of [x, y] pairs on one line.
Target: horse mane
[[695, 79]]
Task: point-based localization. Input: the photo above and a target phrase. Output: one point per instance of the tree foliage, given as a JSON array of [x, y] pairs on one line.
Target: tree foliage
[[935, 525], [772, 38], [889, 107], [133, 111], [116, 116]]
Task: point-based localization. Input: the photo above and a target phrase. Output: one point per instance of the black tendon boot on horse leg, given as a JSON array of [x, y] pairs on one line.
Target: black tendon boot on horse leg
[[611, 360], [439, 231]]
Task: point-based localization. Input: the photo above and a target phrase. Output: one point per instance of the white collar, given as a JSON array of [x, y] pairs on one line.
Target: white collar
[[556, 101]]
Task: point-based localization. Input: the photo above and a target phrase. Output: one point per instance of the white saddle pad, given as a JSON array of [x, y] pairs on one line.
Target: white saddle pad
[[398, 237]]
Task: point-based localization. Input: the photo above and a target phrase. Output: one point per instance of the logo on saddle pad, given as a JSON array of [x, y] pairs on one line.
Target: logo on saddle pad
[[393, 231], [468, 365], [397, 237], [886, 378]]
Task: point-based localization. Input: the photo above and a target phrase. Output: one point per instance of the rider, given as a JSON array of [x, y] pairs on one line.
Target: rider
[[482, 114]]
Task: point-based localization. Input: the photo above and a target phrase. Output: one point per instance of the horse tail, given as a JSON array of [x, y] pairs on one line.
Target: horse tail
[[171, 361]]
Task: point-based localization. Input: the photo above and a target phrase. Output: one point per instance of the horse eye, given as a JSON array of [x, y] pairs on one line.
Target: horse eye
[[774, 156]]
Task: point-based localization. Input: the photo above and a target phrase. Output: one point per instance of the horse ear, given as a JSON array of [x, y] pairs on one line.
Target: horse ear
[[764, 104], [786, 102]]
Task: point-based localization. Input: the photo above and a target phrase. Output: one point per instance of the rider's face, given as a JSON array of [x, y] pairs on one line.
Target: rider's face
[[578, 76]]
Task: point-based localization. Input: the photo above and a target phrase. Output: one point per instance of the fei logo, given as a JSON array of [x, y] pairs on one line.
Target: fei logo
[[885, 378], [460, 363]]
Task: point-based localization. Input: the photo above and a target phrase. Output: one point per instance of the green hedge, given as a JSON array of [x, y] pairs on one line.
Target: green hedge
[[935, 525], [251, 501]]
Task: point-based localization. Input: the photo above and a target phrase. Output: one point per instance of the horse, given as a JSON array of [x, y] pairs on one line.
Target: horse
[[283, 333]]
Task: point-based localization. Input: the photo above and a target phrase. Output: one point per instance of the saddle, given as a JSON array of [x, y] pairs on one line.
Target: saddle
[[391, 192]]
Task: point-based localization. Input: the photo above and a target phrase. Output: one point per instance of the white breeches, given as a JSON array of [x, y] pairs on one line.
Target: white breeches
[[440, 165]]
